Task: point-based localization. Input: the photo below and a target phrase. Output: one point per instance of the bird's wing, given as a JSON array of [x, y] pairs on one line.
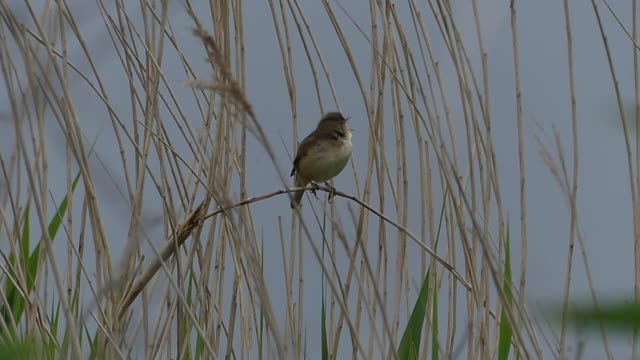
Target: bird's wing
[[303, 149]]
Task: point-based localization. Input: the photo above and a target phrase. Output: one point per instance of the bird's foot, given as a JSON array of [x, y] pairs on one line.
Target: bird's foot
[[314, 187], [332, 191]]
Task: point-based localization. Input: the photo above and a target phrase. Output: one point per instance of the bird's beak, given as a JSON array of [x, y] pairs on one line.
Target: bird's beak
[[352, 130]]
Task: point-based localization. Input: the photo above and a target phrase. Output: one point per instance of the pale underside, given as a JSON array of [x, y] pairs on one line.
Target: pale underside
[[324, 161]]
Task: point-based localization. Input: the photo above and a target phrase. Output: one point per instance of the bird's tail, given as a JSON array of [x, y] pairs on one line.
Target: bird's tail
[[297, 196]]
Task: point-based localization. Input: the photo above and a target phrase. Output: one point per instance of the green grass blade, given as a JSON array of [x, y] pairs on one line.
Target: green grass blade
[[26, 235], [506, 331], [20, 350], [54, 226], [435, 345], [323, 315], [93, 345], [14, 299], [52, 347], [325, 347], [55, 223], [616, 315], [409, 347]]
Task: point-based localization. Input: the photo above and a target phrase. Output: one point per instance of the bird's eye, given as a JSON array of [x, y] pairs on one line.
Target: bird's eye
[[337, 134]]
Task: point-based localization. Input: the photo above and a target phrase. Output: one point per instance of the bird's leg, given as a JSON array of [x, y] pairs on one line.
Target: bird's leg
[[332, 190], [314, 187]]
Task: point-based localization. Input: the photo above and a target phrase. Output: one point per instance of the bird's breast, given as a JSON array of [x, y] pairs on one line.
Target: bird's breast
[[325, 160]]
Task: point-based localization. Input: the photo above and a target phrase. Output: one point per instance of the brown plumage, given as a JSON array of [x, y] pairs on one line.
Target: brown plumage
[[323, 154]]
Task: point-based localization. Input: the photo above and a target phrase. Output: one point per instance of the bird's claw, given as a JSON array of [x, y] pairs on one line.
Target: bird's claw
[[332, 191], [314, 187]]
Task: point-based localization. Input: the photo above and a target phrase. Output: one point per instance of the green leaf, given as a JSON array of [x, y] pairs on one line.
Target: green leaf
[[506, 331], [93, 345], [26, 235], [27, 349], [54, 225], [323, 321], [15, 300], [412, 336], [325, 347], [199, 340], [618, 315], [51, 345], [435, 346], [410, 344]]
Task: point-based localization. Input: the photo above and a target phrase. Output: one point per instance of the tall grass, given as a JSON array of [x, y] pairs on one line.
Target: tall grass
[[412, 259]]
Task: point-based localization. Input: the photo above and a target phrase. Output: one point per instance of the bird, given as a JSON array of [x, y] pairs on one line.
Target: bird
[[323, 154]]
